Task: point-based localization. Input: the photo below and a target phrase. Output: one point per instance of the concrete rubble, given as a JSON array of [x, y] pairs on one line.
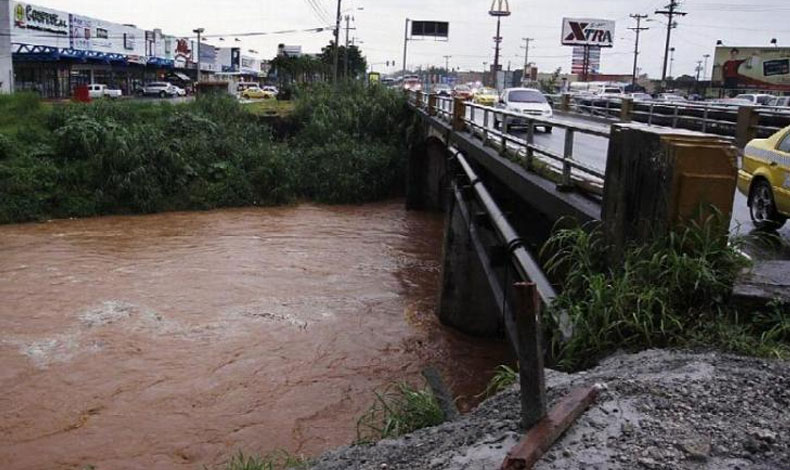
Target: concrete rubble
[[660, 410]]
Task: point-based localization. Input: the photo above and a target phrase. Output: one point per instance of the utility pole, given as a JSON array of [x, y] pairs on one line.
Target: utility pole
[[670, 12], [337, 40], [526, 58], [348, 28], [638, 31], [199, 31]]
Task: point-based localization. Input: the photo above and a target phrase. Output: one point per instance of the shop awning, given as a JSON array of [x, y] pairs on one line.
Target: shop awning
[[183, 77]]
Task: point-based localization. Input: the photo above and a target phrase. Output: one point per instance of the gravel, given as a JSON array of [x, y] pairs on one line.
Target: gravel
[[660, 410]]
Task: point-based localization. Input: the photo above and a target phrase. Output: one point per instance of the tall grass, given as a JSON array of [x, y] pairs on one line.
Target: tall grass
[[278, 460], [137, 157], [674, 291], [398, 410]]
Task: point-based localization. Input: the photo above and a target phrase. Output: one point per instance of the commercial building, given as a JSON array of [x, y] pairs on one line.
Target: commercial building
[[53, 51]]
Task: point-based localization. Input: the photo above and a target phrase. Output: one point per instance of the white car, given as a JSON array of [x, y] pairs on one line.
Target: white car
[[180, 91], [271, 89], [97, 90], [526, 101], [160, 89], [756, 99]]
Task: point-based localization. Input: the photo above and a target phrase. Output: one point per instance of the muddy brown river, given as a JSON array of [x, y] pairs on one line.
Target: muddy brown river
[[176, 340]]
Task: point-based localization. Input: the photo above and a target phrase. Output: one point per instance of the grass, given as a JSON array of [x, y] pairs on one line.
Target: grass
[[278, 460], [674, 292], [504, 377], [400, 409], [270, 108]]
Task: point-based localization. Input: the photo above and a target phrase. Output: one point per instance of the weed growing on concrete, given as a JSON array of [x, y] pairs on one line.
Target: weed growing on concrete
[[278, 460], [504, 377], [398, 410], [673, 292]]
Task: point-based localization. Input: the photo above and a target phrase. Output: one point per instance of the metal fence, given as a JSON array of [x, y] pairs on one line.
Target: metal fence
[[712, 118], [494, 127]]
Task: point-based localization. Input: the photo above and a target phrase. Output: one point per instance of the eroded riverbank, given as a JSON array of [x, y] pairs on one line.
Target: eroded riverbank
[[178, 339]]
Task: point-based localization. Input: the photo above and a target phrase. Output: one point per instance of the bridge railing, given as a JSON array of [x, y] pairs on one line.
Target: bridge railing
[[493, 126], [712, 118]]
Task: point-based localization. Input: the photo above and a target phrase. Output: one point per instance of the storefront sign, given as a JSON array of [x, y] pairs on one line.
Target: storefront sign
[[81, 28], [587, 32], [183, 53], [40, 19]]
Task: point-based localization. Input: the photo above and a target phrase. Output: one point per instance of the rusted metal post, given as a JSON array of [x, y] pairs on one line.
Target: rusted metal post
[[505, 125], [566, 102], [567, 156], [459, 112], [747, 119], [626, 109], [530, 142], [432, 99], [530, 354]]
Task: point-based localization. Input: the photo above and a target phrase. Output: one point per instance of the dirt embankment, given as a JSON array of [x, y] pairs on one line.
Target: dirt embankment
[[660, 410]]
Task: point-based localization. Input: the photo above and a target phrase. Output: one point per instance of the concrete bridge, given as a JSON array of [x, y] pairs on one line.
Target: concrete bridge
[[503, 191]]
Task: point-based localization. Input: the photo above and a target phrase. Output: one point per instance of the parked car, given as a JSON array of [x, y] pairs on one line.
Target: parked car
[[271, 89], [756, 99], [731, 102], [671, 98], [463, 92], [528, 101], [160, 89], [780, 102], [486, 96], [641, 97], [611, 92], [443, 89], [257, 93], [180, 91], [764, 179], [97, 90]]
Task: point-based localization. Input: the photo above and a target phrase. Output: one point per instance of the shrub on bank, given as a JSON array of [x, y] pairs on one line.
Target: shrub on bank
[[79, 160], [673, 292]]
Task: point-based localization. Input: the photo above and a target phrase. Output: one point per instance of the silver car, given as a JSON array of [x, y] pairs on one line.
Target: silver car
[[160, 89]]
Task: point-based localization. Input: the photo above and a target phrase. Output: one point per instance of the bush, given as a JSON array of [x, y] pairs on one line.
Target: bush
[[138, 157], [673, 292]]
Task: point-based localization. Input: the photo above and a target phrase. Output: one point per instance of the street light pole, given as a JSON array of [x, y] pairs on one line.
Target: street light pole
[[526, 58], [499, 8], [337, 40], [199, 31], [405, 45]]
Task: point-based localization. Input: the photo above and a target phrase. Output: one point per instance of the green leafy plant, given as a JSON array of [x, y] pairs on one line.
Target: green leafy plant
[[504, 377], [277, 460], [398, 410]]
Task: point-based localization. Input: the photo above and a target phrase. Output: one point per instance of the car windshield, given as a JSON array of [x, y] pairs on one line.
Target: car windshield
[[462, 88], [764, 100], [613, 90], [526, 96], [745, 98], [487, 91]]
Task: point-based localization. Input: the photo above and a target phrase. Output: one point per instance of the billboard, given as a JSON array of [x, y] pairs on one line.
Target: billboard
[[434, 29], [752, 68], [39, 26], [593, 64], [587, 32]]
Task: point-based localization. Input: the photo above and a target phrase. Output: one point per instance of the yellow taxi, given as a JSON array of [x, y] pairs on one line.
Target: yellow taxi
[[257, 93], [486, 97], [764, 178]]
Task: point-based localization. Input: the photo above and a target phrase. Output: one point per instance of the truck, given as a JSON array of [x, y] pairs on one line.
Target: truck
[[97, 90]]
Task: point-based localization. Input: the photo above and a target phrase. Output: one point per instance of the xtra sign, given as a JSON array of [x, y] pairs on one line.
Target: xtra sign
[[587, 32]]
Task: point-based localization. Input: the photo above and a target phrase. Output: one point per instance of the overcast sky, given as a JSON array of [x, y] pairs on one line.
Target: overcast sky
[[380, 27]]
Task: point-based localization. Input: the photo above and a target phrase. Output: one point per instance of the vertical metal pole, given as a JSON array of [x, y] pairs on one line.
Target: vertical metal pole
[[496, 51], [705, 119], [198, 56], [650, 115], [505, 125], [530, 141], [348, 19], [337, 40], [405, 44], [485, 127], [530, 354], [675, 116], [567, 156]]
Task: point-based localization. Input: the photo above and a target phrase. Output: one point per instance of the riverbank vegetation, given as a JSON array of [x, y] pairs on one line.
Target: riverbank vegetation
[[76, 160], [400, 409], [673, 292]]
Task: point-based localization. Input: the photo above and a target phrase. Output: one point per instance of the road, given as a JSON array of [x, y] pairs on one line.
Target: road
[[593, 150]]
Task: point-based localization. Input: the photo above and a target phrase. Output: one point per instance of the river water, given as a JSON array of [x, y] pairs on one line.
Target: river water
[[176, 340]]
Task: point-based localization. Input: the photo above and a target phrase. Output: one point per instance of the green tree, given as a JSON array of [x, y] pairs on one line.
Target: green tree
[[357, 65]]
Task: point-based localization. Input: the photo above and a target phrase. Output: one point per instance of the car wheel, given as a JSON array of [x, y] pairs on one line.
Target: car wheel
[[762, 207], [547, 129], [162, 94], [140, 93]]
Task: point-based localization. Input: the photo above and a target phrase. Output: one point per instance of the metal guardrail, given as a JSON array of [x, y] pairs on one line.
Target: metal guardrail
[[493, 126], [705, 117]]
